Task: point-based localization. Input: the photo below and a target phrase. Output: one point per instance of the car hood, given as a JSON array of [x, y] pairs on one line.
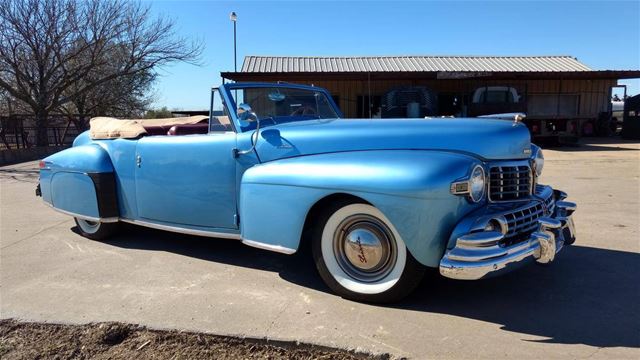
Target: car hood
[[483, 138]]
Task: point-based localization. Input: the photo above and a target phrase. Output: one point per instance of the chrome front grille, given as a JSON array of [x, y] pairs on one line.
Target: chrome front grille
[[522, 221], [549, 201], [509, 182]]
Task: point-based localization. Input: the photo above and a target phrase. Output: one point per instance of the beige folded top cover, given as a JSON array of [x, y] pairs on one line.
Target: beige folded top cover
[[112, 128]]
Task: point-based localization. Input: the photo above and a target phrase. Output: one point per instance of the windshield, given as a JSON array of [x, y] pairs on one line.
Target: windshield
[[277, 105]]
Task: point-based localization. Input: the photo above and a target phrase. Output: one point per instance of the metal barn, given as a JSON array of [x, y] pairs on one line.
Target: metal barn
[[562, 97]]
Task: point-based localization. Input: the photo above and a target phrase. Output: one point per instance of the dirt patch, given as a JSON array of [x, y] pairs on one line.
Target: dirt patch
[[26, 340]]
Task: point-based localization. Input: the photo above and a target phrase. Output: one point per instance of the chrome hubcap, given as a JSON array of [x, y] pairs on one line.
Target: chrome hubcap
[[364, 247]]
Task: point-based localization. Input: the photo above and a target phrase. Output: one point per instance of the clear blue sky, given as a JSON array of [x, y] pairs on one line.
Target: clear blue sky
[[601, 34]]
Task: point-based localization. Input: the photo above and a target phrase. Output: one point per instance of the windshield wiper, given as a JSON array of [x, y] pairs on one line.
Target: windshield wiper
[[269, 117]]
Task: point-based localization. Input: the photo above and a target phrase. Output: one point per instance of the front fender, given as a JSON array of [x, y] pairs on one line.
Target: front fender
[[411, 187]]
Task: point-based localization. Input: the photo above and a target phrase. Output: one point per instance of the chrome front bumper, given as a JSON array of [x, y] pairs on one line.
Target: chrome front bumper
[[480, 254]]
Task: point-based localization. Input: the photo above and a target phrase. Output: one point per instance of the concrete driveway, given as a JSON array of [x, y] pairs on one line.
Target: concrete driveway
[[587, 304]]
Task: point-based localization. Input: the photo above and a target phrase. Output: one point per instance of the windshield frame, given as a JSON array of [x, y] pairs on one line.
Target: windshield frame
[[230, 100]]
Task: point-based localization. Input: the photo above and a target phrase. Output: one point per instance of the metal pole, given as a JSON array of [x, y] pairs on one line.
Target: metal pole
[[235, 58], [369, 91], [234, 17]]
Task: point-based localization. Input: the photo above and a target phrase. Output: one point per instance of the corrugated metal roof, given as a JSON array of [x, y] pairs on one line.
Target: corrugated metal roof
[[288, 64]]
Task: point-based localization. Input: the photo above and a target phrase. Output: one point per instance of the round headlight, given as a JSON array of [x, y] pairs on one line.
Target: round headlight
[[476, 184], [538, 161]]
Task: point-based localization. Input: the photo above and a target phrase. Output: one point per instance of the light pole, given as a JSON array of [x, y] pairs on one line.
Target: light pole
[[234, 18]]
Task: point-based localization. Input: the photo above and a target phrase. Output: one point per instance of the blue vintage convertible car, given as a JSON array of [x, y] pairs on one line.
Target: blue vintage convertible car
[[276, 166]]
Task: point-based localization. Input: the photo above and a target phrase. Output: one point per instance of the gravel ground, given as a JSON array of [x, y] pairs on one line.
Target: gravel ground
[[112, 340]]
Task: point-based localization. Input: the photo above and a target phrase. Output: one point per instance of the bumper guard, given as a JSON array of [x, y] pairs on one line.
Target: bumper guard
[[479, 255]]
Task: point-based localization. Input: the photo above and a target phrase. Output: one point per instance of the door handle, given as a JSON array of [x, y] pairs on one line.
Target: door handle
[[138, 160]]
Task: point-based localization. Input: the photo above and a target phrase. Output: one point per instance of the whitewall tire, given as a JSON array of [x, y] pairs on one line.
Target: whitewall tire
[[96, 230], [361, 256]]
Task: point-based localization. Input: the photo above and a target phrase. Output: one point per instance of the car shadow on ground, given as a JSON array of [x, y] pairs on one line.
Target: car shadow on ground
[[588, 296]]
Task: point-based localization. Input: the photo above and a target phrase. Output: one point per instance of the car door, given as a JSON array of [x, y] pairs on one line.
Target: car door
[[187, 180]]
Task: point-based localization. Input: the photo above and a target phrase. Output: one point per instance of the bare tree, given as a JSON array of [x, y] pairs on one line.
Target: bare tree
[[54, 51], [6, 103], [10, 105], [126, 96]]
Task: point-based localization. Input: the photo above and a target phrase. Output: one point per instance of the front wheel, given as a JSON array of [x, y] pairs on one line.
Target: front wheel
[[95, 230], [361, 256]]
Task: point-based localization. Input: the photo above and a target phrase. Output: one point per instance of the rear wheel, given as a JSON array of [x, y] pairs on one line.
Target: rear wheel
[[361, 256], [96, 230]]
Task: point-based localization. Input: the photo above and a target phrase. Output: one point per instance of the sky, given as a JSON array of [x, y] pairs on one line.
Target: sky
[[605, 35]]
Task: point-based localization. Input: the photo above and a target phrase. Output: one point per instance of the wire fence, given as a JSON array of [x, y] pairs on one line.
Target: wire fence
[[26, 137], [19, 131]]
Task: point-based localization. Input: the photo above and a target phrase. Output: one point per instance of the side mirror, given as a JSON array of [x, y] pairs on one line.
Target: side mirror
[[245, 113]]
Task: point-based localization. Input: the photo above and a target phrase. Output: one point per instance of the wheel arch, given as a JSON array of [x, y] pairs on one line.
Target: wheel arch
[[322, 204]]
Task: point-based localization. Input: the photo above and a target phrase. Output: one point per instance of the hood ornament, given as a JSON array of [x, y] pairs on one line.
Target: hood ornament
[[516, 117], [519, 117]]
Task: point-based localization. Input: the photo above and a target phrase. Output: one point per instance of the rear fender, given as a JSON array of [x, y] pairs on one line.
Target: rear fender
[[80, 181], [411, 187]]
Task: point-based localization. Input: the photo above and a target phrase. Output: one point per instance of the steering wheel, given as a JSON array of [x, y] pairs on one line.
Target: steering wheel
[[304, 110]]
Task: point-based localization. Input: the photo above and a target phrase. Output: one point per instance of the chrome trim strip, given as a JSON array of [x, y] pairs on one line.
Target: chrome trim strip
[[481, 239], [176, 229], [567, 206], [276, 248], [180, 230], [84, 217], [453, 188]]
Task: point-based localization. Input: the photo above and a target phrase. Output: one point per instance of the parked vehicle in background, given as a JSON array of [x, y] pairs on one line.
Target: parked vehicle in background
[[631, 122], [409, 102], [495, 100], [378, 200], [617, 116], [551, 118]]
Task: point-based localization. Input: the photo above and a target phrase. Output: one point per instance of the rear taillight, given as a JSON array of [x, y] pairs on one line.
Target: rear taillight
[[42, 164]]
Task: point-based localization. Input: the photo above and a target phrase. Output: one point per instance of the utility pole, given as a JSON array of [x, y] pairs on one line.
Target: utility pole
[[234, 18]]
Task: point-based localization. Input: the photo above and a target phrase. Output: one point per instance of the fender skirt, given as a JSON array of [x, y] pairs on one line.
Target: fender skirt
[[105, 184]]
